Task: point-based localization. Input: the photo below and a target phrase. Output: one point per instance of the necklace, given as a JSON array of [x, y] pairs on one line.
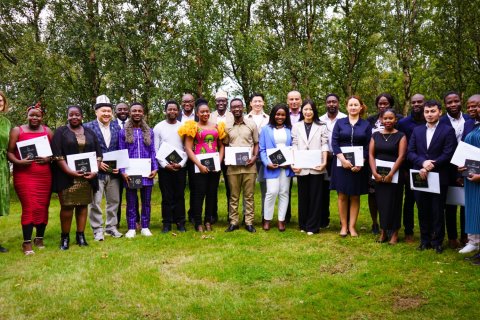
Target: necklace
[[386, 138]]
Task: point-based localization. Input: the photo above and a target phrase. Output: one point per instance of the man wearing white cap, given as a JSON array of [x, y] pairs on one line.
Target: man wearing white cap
[[106, 131]]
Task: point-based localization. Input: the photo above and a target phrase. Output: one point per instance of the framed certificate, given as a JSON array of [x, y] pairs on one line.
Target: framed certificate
[[432, 184], [307, 159], [120, 157], [36, 147], [237, 156], [86, 162], [209, 160], [353, 154], [139, 167]]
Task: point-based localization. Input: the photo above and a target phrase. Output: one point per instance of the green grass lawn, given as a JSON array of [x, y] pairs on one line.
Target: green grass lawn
[[218, 275]]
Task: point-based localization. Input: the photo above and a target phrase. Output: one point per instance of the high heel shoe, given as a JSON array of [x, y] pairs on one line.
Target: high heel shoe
[[65, 241], [81, 241]]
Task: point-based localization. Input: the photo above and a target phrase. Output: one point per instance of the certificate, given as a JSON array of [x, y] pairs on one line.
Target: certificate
[[307, 159], [35, 147], [119, 156], [465, 151], [237, 156], [432, 184], [384, 168], [353, 154], [281, 156], [86, 162], [168, 153], [209, 160], [139, 167], [456, 196]]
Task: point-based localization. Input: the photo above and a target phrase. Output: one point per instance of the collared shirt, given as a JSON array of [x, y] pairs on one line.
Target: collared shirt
[[330, 124], [294, 118], [243, 134], [121, 123], [186, 118], [430, 132], [105, 129], [458, 125], [261, 120], [407, 124]]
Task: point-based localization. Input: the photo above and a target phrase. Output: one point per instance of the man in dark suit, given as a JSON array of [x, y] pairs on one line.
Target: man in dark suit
[[106, 131], [430, 149], [456, 119]]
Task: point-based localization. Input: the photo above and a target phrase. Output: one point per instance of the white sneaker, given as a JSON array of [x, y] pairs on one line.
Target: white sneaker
[[146, 232], [114, 233], [310, 233], [130, 233], [469, 248], [98, 236]]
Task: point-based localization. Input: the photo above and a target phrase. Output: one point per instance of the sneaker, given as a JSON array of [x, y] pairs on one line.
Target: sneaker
[[310, 233], [469, 248], [114, 233], [98, 236], [130, 233], [146, 232]]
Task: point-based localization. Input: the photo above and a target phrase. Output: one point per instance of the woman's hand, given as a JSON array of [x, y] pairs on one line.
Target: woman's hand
[[474, 177], [320, 167], [377, 177], [42, 160], [347, 164], [203, 169], [355, 169], [296, 170], [90, 175], [272, 166], [388, 178], [24, 162]]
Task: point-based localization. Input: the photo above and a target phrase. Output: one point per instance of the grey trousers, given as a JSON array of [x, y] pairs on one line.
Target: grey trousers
[[110, 187]]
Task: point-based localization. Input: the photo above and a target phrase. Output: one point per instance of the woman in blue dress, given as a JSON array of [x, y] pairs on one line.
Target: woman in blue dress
[[350, 180]]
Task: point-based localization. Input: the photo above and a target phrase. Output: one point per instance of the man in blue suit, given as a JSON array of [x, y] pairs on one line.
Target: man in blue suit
[[430, 149], [106, 131], [456, 119]]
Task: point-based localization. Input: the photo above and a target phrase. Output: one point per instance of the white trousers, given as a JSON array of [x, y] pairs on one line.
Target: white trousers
[[277, 187]]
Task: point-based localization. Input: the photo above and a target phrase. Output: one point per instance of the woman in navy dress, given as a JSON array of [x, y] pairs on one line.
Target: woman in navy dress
[[350, 180]]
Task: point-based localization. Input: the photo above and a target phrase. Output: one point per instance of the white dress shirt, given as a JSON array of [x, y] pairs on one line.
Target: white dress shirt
[[458, 125], [107, 135], [330, 124], [430, 132]]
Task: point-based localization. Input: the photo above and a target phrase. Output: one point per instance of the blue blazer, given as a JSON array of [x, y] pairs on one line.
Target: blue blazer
[[267, 141], [114, 131], [444, 119], [441, 149], [469, 126]]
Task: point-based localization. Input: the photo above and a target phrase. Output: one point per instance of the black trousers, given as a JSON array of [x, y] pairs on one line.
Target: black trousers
[[431, 215], [451, 221], [172, 186], [190, 188], [205, 187], [325, 211], [309, 202]]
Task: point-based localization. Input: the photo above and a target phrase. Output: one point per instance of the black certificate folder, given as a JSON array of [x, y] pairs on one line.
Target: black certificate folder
[[82, 165], [173, 157], [135, 182], [277, 157], [473, 167], [209, 163], [241, 158], [29, 151], [418, 182], [350, 156]]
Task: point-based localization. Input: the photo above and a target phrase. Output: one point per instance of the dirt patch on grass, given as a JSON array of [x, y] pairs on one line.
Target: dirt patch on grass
[[339, 267], [402, 303]]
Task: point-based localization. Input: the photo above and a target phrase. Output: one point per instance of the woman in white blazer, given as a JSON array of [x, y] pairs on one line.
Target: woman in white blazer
[[310, 134]]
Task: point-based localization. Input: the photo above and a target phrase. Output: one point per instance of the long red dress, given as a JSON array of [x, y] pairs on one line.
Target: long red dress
[[33, 185]]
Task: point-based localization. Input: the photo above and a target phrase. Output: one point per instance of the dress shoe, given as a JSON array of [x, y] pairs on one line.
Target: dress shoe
[[476, 256], [250, 228], [166, 228], [27, 248], [80, 238], [469, 248], [181, 227], [453, 244], [438, 249], [424, 246], [375, 228], [208, 226], [476, 262], [266, 225], [65, 241], [38, 242], [409, 238], [281, 226], [3, 249], [231, 228]]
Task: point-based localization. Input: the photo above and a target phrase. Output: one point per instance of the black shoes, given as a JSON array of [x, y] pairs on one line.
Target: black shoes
[[166, 228], [3, 250], [375, 229], [424, 246], [80, 238], [250, 228], [231, 228], [476, 256], [438, 249], [65, 241]]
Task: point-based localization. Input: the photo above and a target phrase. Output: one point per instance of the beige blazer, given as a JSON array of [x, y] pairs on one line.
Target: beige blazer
[[317, 140], [214, 116]]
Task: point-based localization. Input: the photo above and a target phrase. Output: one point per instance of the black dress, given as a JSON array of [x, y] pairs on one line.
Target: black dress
[[389, 195]]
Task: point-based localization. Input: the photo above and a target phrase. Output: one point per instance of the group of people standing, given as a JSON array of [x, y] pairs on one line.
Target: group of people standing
[[424, 140]]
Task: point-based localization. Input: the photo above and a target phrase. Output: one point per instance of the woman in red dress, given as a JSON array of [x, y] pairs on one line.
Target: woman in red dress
[[32, 179]]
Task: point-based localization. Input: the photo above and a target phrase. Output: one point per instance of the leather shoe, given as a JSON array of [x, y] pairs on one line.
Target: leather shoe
[[250, 228], [181, 228], [166, 228], [3, 250], [424, 246], [266, 225], [438, 249], [231, 228], [65, 241], [81, 241], [476, 256], [281, 226]]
